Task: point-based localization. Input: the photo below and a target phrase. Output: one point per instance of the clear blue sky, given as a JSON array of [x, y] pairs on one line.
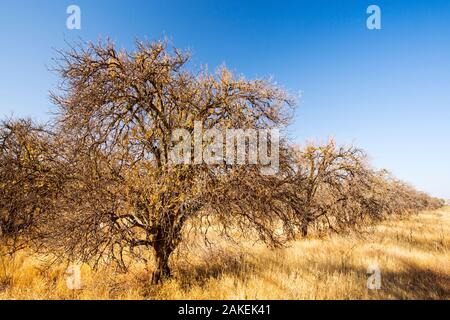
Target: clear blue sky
[[387, 90]]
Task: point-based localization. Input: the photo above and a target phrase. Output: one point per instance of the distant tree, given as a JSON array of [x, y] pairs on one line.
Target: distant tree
[[328, 181], [336, 189]]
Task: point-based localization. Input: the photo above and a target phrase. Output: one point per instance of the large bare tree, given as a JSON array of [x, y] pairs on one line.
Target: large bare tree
[[118, 112]]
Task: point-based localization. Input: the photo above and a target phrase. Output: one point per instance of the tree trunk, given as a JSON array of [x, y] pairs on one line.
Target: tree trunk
[[305, 229], [166, 240], [162, 271]]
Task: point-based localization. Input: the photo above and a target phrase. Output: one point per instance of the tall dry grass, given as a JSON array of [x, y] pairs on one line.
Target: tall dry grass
[[412, 254]]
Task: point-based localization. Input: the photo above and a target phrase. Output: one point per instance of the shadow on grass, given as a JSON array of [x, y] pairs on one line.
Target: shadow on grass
[[412, 282], [219, 264]]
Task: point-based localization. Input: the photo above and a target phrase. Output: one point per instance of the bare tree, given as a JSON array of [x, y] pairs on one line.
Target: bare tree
[[28, 180], [118, 111], [327, 176], [336, 189]]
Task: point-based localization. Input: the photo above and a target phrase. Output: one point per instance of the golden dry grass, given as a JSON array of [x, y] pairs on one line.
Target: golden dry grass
[[412, 254]]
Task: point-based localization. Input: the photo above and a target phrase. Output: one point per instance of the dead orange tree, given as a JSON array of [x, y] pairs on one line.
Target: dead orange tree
[[118, 112]]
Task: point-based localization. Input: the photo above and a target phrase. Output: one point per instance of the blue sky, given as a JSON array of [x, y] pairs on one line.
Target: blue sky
[[387, 90]]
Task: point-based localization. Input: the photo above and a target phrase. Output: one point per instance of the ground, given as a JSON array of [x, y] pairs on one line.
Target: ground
[[412, 255]]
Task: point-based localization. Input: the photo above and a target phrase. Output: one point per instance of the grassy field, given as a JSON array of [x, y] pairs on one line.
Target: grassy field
[[412, 254]]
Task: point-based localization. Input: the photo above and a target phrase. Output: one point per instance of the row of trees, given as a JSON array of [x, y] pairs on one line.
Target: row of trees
[[97, 185]]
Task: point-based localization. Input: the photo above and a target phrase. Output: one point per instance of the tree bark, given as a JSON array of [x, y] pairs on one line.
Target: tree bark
[[304, 230], [162, 271]]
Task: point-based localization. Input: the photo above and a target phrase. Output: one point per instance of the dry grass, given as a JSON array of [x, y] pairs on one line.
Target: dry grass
[[412, 254]]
